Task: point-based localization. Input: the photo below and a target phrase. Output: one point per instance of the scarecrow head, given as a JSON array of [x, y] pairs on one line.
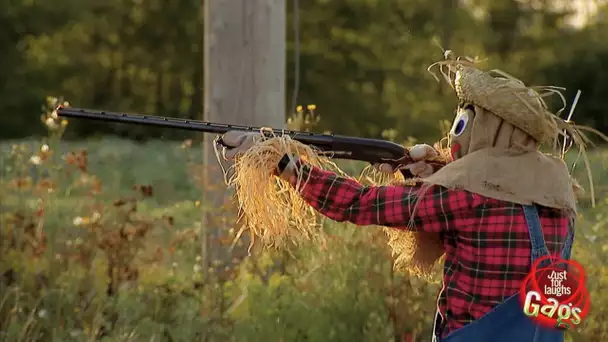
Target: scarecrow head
[[498, 112], [475, 128], [495, 138]]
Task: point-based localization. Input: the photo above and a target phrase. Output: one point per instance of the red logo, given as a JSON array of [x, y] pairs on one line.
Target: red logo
[[555, 296]]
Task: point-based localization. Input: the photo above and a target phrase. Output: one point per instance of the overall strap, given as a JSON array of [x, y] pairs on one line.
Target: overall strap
[[537, 241], [567, 249], [539, 247]]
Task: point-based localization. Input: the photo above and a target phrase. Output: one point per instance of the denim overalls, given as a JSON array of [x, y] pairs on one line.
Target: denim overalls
[[507, 322]]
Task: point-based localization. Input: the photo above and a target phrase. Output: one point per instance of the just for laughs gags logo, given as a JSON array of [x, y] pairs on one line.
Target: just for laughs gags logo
[[555, 295]]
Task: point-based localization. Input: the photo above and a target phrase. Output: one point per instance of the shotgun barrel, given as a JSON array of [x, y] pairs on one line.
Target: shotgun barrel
[[335, 146]]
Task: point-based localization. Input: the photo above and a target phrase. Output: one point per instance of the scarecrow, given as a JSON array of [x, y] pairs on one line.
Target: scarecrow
[[497, 206]]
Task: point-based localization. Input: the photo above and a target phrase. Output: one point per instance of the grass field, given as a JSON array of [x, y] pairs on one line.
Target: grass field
[[107, 245]]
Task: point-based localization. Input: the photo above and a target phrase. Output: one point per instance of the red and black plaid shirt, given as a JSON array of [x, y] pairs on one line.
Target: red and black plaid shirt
[[486, 241]]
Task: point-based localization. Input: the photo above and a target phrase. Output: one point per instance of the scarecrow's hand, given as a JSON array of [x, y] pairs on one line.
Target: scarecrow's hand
[[420, 168], [238, 142]]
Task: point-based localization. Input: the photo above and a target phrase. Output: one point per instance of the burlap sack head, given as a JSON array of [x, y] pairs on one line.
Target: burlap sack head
[[475, 128], [496, 159], [499, 127]]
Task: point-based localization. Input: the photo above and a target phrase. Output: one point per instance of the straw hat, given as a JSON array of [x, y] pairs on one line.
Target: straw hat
[[509, 99]]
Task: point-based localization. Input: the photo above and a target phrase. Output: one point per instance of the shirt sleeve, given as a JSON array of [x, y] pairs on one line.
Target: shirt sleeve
[[341, 199]]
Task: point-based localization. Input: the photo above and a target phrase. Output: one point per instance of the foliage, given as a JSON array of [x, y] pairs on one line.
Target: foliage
[[86, 255], [363, 62]]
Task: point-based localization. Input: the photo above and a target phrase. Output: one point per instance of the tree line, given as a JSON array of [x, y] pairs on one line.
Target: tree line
[[362, 62]]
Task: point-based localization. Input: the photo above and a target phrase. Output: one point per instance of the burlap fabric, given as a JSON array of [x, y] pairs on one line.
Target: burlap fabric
[[502, 162]]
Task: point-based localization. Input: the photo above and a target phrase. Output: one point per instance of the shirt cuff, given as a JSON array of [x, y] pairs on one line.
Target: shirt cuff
[[283, 163], [288, 167]]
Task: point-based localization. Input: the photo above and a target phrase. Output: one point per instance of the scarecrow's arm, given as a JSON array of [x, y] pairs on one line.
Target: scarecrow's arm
[[343, 199]]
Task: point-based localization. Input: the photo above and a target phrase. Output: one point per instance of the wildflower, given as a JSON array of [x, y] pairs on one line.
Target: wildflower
[[78, 241], [36, 160], [299, 109], [54, 115], [197, 204], [47, 185], [96, 189], [51, 101], [198, 258], [174, 265], [42, 313], [130, 232], [311, 107], [50, 123], [84, 178], [187, 143], [68, 243], [64, 122], [21, 183], [45, 148], [96, 216], [196, 268], [78, 221]]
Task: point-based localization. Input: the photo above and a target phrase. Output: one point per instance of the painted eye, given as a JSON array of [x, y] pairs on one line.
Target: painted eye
[[460, 123]]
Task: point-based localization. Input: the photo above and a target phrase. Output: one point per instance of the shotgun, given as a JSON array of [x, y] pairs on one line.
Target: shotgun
[[374, 151]]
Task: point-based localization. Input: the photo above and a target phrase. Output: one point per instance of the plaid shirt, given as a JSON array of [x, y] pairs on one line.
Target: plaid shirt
[[486, 240]]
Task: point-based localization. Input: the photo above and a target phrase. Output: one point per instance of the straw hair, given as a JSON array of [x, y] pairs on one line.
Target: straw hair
[[415, 252], [271, 208], [274, 214]]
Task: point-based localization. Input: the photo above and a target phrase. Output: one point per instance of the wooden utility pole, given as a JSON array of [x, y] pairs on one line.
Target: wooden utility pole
[[244, 71]]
